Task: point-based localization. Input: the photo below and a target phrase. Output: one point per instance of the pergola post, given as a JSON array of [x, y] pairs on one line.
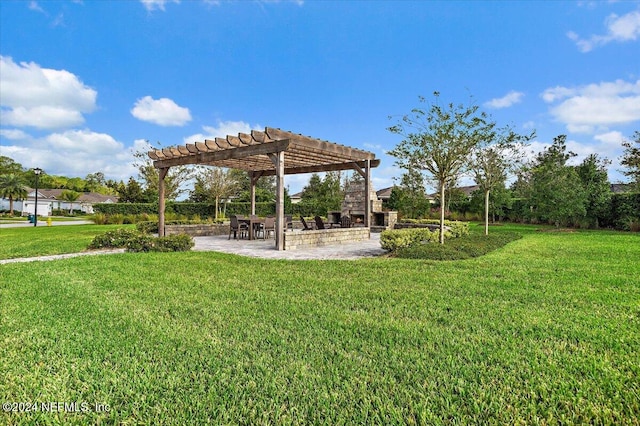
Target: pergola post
[[278, 161], [162, 173], [367, 193], [252, 191]]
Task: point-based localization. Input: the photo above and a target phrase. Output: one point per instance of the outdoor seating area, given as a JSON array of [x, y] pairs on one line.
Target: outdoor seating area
[[251, 227], [305, 233]]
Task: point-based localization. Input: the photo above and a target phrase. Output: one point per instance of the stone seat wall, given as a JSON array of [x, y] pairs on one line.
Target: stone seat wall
[[320, 237]]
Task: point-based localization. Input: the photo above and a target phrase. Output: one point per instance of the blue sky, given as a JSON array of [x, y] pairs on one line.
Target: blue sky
[[82, 83]]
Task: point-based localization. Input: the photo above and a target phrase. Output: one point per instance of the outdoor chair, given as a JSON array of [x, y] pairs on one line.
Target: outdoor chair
[[305, 227], [268, 227], [345, 222], [288, 222], [237, 228], [319, 223]]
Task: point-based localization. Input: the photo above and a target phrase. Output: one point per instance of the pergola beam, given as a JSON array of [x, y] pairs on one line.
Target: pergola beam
[[328, 168], [224, 154]]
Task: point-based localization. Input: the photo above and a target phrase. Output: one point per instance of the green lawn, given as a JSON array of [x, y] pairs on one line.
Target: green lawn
[[45, 240], [544, 330]]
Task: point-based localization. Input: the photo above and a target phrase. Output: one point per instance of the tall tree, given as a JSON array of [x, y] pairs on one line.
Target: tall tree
[[131, 192], [409, 198], [593, 175], [631, 159], [440, 140], [12, 186], [323, 194], [217, 183], [492, 164], [176, 178], [70, 197], [265, 186], [9, 166], [555, 192]]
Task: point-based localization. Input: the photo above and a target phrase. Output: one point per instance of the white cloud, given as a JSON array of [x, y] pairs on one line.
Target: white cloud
[[84, 141], [33, 5], [13, 134], [156, 4], [42, 97], [506, 101], [586, 108], [619, 28], [223, 129], [74, 153], [163, 112], [610, 138]]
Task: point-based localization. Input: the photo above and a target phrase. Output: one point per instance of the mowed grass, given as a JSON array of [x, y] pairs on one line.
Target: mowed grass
[[41, 241], [545, 330]]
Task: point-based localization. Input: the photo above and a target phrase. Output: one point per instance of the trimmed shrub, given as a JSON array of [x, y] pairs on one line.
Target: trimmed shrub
[[456, 228], [113, 239], [134, 241], [395, 239], [171, 243]]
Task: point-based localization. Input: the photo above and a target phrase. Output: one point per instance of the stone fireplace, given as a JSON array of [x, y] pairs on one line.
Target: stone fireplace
[[354, 204]]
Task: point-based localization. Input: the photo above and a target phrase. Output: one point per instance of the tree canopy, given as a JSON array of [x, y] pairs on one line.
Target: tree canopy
[[440, 140], [631, 159]]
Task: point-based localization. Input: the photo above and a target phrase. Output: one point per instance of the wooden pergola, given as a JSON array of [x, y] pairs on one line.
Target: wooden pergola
[[272, 152]]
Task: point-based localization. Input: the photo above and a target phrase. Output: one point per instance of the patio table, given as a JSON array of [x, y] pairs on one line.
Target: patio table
[[252, 223]]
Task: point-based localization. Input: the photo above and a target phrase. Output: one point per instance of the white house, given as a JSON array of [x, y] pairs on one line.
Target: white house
[[48, 201]]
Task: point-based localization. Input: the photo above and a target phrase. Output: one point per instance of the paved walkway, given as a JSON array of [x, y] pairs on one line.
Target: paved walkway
[[59, 256], [43, 222], [266, 249]]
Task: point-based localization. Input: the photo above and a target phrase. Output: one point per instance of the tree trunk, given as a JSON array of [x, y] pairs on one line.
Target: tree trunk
[[217, 203], [11, 205], [486, 212], [441, 212]]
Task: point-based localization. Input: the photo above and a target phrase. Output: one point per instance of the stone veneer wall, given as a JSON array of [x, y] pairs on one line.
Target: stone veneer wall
[[300, 239], [199, 230], [354, 199]]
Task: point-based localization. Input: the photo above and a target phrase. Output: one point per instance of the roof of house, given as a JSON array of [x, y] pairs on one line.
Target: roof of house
[[85, 197], [384, 193], [621, 187], [467, 190]]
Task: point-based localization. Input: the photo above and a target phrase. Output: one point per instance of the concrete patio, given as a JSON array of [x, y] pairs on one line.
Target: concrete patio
[[266, 248]]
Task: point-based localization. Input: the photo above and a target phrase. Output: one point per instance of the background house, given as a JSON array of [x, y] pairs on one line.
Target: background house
[[48, 201]]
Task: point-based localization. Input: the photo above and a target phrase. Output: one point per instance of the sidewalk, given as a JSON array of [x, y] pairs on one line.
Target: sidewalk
[[41, 222]]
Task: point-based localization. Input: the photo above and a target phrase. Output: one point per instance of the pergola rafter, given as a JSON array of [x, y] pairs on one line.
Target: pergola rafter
[[273, 152]]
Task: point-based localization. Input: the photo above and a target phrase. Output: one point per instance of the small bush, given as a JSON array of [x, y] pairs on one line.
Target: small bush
[[99, 219], [116, 219], [113, 239], [147, 243], [456, 228], [395, 239]]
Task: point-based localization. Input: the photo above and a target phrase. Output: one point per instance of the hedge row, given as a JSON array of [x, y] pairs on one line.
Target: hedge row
[[135, 241], [395, 239], [623, 212], [456, 228]]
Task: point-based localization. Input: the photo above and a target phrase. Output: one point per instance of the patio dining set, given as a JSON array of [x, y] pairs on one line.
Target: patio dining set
[[253, 227]]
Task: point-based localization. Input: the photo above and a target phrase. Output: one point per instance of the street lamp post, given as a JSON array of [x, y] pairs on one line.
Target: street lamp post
[[37, 172]]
